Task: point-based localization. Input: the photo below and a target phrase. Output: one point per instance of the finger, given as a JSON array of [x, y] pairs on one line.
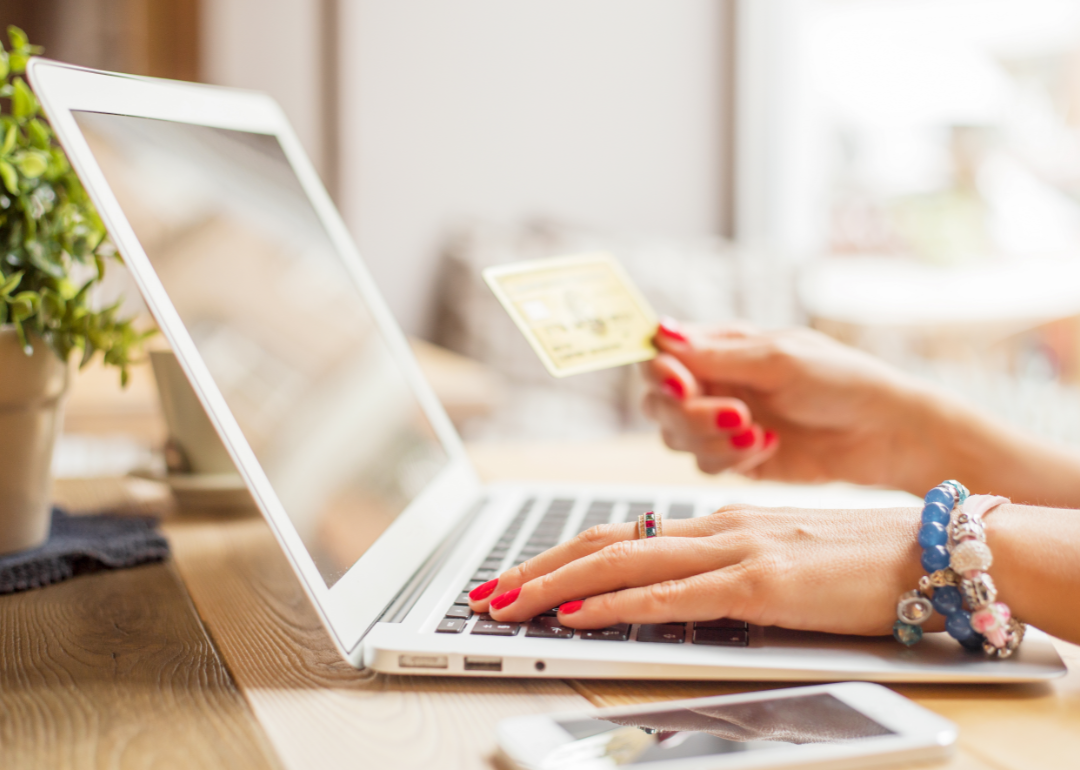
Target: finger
[[706, 416], [734, 356], [705, 596], [588, 542], [625, 564], [752, 465], [668, 375]]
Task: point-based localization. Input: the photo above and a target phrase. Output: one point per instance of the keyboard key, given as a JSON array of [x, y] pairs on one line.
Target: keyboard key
[[495, 628], [492, 562], [485, 575], [548, 628], [473, 584], [720, 623], [458, 611], [636, 509], [450, 626], [619, 633], [463, 599], [719, 636], [499, 553], [681, 511], [663, 633], [550, 613]]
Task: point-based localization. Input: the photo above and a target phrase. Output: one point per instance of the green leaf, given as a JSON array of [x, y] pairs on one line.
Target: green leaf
[[40, 135], [3, 313], [23, 103], [10, 284], [44, 261], [10, 177], [9, 139], [32, 163], [18, 38], [4, 66]]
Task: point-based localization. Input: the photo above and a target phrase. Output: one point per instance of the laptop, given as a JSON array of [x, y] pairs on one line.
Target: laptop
[[250, 273]]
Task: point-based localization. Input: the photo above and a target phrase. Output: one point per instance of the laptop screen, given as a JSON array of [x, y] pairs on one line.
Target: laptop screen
[[279, 322]]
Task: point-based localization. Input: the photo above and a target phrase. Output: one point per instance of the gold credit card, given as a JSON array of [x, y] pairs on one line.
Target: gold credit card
[[579, 313]]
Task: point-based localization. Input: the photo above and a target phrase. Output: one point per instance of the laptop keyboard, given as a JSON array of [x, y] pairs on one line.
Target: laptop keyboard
[[548, 532]]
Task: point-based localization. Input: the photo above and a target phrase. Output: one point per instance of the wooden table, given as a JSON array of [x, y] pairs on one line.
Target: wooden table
[[216, 659]]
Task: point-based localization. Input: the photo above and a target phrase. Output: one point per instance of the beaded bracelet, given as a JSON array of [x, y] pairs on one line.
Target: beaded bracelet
[[956, 557]]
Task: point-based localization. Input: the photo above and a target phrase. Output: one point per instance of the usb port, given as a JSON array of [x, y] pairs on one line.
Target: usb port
[[482, 663], [423, 661]]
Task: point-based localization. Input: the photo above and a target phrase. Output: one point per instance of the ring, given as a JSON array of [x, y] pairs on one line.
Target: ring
[[649, 525]]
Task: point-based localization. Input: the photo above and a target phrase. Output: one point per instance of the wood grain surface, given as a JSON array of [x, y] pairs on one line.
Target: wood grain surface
[[315, 708], [114, 670]]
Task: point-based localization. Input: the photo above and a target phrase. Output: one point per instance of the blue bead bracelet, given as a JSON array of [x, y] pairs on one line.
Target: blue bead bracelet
[[938, 589]]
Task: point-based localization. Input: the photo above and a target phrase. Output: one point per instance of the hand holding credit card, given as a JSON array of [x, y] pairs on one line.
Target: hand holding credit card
[[579, 313]]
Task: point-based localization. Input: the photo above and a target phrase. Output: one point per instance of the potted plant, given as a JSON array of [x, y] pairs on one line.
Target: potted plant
[[53, 252]]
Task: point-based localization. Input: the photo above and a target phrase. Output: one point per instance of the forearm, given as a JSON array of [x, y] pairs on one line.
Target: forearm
[[1037, 565], [948, 439]]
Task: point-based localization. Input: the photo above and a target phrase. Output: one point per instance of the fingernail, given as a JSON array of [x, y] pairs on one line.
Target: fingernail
[[770, 439], [743, 440], [505, 600], [728, 418], [669, 327], [673, 387], [571, 607], [483, 591]]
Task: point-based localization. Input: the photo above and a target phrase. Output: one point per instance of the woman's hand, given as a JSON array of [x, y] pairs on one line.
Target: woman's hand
[[790, 405], [795, 405], [838, 571]]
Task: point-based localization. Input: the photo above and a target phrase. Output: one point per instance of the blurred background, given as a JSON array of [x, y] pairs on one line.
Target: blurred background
[[902, 174]]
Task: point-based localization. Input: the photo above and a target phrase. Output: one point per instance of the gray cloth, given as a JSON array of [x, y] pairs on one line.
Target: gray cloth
[[81, 544]]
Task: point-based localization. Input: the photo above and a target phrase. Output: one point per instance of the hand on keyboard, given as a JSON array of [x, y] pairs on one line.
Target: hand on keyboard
[[819, 570]]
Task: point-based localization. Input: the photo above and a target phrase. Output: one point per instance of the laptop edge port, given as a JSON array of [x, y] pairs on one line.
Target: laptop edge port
[[482, 663], [423, 661]]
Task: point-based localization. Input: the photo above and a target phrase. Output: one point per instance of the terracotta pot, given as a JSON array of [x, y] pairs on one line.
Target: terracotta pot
[[32, 390]]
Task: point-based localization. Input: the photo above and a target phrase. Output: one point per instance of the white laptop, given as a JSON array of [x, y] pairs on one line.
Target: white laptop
[[253, 278]]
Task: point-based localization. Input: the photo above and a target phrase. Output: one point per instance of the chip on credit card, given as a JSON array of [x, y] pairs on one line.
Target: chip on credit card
[[579, 313]]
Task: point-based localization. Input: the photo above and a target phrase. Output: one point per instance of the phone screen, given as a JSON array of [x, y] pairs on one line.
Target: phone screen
[[710, 730]]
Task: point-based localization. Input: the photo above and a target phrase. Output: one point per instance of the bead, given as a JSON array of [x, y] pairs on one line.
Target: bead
[[973, 642], [991, 618], [926, 588], [914, 608], [906, 634], [935, 558], [961, 490], [968, 530], [935, 512], [944, 577], [931, 534], [959, 626], [941, 494], [948, 600], [978, 591], [971, 555]]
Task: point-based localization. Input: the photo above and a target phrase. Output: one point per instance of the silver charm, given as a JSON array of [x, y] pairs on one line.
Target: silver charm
[[914, 608], [970, 530], [971, 555], [978, 591]]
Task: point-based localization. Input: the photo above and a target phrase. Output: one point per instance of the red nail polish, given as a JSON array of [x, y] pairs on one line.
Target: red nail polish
[[726, 419], [674, 388], [743, 440], [670, 328], [770, 439], [483, 591], [505, 600], [571, 607]]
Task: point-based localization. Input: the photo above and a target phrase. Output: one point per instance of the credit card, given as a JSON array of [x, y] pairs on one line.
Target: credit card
[[579, 313]]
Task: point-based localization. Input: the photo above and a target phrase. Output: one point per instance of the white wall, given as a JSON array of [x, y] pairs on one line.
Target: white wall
[[272, 46], [605, 113]]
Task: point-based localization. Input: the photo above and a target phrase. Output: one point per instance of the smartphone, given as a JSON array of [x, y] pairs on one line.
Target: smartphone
[[849, 725]]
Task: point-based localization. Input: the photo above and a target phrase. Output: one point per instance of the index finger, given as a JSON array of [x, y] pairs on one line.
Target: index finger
[[586, 543]]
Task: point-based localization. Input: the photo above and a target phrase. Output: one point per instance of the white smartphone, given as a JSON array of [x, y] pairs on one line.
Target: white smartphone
[[850, 725]]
